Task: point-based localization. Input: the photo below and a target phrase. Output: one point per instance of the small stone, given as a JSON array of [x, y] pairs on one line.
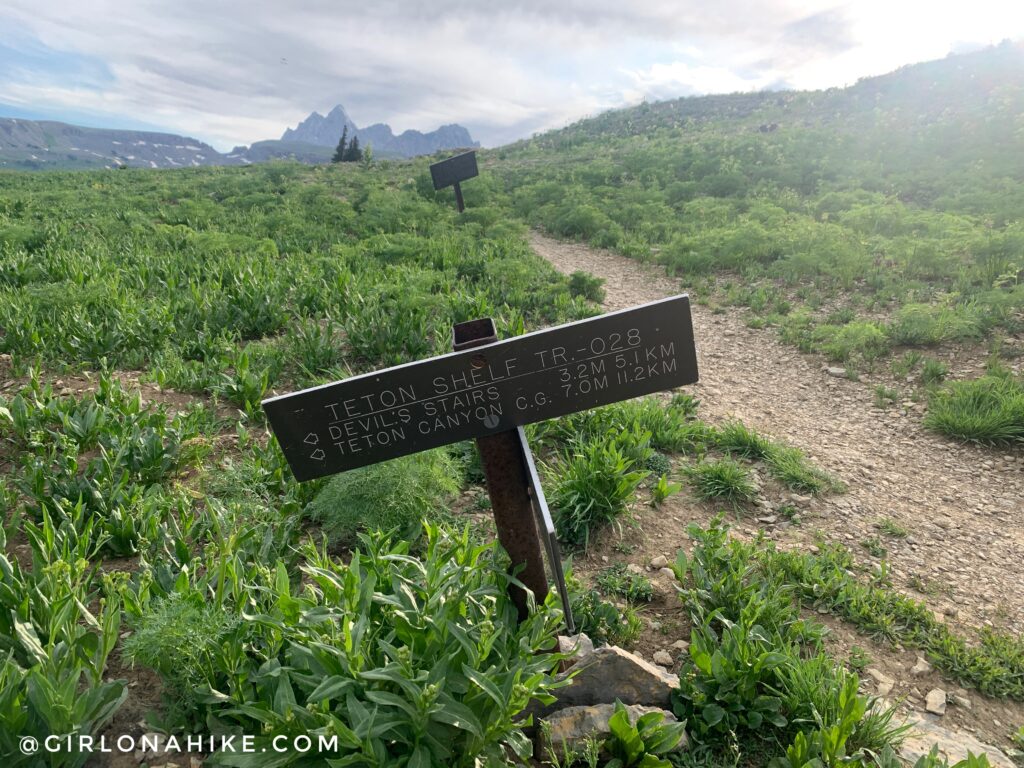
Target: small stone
[[663, 658], [839, 373], [885, 683], [961, 701], [921, 668], [952, 611], [935, 701], [667, 573], [768, 519], [579, 644], [604, 558], [634, 568], [659, 562], [681, 645]]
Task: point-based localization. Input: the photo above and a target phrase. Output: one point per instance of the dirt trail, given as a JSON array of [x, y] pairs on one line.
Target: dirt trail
[[962, 505]]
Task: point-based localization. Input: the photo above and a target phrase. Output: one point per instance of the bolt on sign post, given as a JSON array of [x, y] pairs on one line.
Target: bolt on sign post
[[450, 172], [488, 390]]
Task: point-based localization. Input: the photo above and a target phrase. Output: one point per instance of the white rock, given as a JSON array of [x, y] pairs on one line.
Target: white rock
[[659, 562], [885, 683], [579, 644], [663, 658], [921, 668], [935, 701]]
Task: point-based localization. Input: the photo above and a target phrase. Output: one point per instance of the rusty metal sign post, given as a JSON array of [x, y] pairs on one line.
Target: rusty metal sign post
[[488, 389], [453, 171]]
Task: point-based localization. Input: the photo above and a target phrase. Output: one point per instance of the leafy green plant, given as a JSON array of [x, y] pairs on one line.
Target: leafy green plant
[[859, 659], [593, 485], [663, 489], [642, 744], [405, 659], [617, 580], [874, 546], [934, 760], [602, 621]]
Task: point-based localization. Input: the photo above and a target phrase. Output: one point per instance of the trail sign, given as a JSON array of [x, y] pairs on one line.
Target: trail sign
[[483, 391], [488, 390], [450, 172]]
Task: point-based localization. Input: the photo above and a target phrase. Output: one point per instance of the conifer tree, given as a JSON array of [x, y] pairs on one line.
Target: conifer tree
[[353, 154], [339, 153]]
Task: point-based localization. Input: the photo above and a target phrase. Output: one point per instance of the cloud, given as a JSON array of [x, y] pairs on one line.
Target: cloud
[[234, 72]]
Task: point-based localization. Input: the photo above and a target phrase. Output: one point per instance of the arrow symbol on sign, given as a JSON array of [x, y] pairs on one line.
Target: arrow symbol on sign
[[318, 454], [312, 438]]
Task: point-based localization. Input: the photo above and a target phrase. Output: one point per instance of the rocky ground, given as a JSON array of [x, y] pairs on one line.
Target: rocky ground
[[961, 505]]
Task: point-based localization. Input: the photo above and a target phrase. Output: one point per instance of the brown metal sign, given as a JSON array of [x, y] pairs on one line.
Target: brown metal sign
[[489, 389]]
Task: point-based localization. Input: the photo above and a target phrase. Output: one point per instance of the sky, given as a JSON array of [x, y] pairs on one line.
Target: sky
[[231, 73]]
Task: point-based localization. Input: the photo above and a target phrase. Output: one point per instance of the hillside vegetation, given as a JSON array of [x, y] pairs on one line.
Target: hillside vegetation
[[858, 221]]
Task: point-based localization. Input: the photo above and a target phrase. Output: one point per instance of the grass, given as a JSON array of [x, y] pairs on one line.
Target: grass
[[993, 663], [890, 527], [397, 494], [722, 480], [885, 396], [989, 410], [786, 463], [933, 372], [874, 547]]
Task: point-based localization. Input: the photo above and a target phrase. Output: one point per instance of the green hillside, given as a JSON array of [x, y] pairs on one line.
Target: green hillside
[[857, 219]]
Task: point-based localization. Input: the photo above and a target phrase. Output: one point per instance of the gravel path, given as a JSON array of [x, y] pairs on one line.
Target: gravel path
[[962, 505]]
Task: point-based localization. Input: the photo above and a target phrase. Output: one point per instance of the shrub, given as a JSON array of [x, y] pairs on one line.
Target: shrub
[[397, 494], [587, 286], [593, 485]]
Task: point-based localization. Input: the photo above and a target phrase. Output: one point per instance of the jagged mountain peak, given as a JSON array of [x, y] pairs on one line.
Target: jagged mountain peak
[[325, 130]]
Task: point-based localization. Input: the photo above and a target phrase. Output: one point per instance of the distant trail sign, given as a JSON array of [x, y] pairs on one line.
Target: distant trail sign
[[486, 390], [450, 172]]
